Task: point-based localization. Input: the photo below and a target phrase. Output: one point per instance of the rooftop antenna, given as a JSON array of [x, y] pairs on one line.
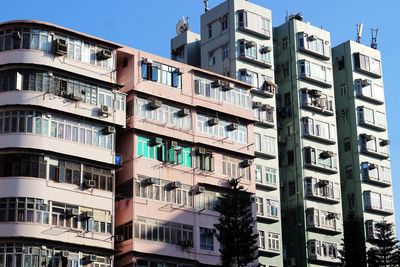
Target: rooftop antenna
[[182, 25], [206, 6], [359, 32], [374, 35]]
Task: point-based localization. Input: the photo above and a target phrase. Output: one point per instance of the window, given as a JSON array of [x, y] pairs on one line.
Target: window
[[285, 43], [272, 208], [292, 188], [163, 231], [367, 64], [161, 73], [273, 241], [270, 176], [347, 144], [231, 168], [225, 52], [349, 172], [261, 239], [237, 96], [206, 239], [290, 157], [211, 58], [242, 18], [210, 30], [157, 149], [260, 206], [315, 71], [224, 22], [345, 115], [205, 160], [343, 89], [312, 44]]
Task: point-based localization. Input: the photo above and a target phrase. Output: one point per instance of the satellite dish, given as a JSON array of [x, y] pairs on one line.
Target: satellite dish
[[182, 26]]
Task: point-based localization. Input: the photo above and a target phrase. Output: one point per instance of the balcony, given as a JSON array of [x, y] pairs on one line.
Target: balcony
[[261, 32], [255, 60], [318, 131], [323, 252], [325, 161], [267, 89], [263, 115], [372, 146], [313, 45], [323, 221], [367, 65], [378, 203], [366, 90], [315, 73], [322, 190], [372, 173], [314, 100], [371, 119], [266, 185]]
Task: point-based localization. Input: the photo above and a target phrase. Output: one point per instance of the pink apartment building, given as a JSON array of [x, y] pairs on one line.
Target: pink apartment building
[[188, 130]]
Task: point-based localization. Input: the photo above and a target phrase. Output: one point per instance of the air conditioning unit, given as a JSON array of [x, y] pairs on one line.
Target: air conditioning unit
[[72, 212], [333, 215], [213, 121], [109, 130], [385, 142], [174, 145], [257, 104], [245, 163], [201, 151], [149, 181], [65, 254], [312, 38], [16, 35], [89, 183], [154, 141], [315, 93], [372, 166], [326, 154], [217, 83], [366, 82], [118, 238], [367, 137], [186, 243], [229, 86], [266, 107], [233, 126], [196, 189], [250, 44], [60, 47], [87, 214], [104, 111], [174, 185], [211, 231], [73, 97], [104, 54], [323, 182], [265, 49], [90, 258], [147, 61], [155, 104], [184, 112]]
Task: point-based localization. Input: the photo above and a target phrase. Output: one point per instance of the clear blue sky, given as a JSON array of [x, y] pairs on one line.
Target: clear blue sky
[[149, 24]]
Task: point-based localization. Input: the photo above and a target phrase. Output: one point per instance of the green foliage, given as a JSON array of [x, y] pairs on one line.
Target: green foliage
[[385, 253], [353, 246], [236, 231]]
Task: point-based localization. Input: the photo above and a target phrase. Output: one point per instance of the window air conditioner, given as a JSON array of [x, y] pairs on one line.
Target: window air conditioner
[[201, 151], [213, 121], [89, 183], [155, 104], [326, 154], [65, 254], [366, 82], [184, 112], [104, 54], [196, 189], [109, 130], [91, 258], [72, 212], [312, 38], [372, 166], [229, 86], [245, 163], [233, 126], [385, 142], [60, 47], [156, 141], [257, 104], [174, 185], [217, 83], [87, 214], [104, 111], [16, 35], [149, 181], [323, 182]]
